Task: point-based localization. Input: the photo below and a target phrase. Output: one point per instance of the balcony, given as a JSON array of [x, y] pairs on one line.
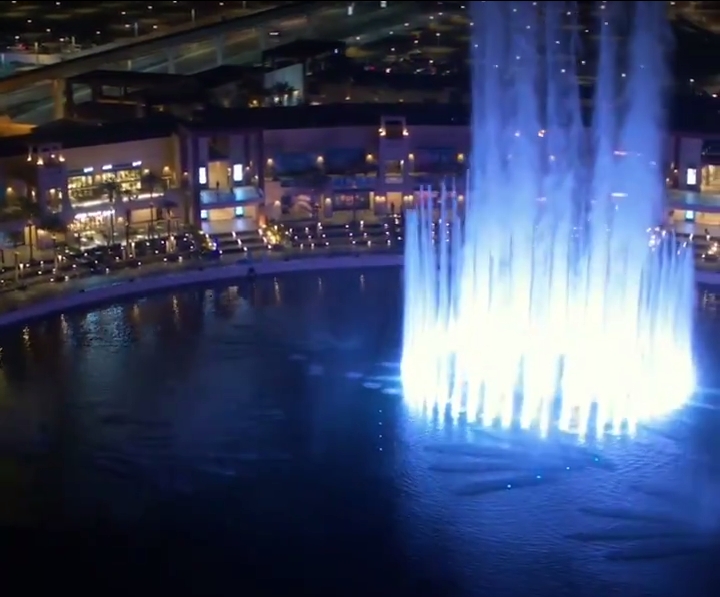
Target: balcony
[[353, 182], [231, 197]]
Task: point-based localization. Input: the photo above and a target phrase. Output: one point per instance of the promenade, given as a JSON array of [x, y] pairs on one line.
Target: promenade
[[41, 291], [303, 241]]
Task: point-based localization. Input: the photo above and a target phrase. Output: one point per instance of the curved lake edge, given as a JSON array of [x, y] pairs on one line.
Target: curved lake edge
[[140, 286], [135, 287]]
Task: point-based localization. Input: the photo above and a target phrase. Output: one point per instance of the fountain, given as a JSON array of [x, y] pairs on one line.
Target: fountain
[[548, 299]]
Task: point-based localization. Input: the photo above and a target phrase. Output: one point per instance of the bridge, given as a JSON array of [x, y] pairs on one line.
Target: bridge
[[33, 95], [155, 44]]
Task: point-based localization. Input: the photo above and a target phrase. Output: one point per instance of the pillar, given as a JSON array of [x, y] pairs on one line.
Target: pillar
[[58, 95], [170, 56], [237, 155], [198, 154], [69, 100], [689, 163], [191, 154], [67, 208], [309, 29], [219, 49], [260, 159]]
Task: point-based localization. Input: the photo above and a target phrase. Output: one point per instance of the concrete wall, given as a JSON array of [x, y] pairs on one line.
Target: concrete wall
[[323, 140], [357, 94], [155, 154]]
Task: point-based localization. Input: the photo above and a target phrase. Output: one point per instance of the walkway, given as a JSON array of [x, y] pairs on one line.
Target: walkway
[[45, 290]]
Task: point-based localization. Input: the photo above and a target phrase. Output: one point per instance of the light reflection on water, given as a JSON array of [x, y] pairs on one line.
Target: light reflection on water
[[241, 407]]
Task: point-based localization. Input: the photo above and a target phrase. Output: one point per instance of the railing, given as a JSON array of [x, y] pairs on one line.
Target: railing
[[238, 195]]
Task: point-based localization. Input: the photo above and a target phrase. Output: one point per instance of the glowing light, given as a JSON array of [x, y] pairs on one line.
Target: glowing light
[[568, 312]]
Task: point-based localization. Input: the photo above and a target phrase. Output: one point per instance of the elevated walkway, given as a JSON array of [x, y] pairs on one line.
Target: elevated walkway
[[158, 44]]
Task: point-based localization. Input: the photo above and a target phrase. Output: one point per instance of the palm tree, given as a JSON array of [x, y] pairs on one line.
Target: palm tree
[[151, 183], [28, 210], [127, 232], [280, 93], [168, 206], [187, 204], [53, 223], [113, 191]]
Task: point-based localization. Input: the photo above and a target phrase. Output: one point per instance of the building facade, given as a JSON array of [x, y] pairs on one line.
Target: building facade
[[227, 175]]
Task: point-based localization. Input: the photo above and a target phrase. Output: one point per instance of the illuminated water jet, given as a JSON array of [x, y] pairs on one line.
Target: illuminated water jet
[[545, 300]]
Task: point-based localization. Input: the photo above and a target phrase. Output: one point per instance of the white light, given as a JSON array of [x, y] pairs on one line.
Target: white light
[[238, 172], [563, 314]]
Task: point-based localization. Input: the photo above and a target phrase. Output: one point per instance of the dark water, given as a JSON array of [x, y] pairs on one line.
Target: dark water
[[254, 439]]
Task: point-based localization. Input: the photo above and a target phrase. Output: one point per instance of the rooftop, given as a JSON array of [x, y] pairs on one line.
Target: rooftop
[[71, 134], [331, 115], [127, 78], [303, 49], [700, 114]]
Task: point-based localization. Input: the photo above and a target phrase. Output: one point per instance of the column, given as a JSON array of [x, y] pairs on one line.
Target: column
[[238, 160], [67, 209], [689, 163], [58, 95], [43, 189], [309, 30], [259, 159], [262, 38], [69, 100], [219, 49], [170, 56], [191, 153]]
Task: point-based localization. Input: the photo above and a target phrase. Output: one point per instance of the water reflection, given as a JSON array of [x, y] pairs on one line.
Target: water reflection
[[247, 412], [169, 390]]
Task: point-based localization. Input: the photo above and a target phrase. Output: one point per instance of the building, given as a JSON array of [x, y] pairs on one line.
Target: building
[[232, 168]]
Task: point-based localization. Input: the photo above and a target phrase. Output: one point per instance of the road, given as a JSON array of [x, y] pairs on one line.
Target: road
[[34, 105]]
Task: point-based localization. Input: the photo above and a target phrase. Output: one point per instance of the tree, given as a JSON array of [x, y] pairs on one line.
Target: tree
[[280, 93], [112, 190], [53, 223], [127, 229], [187, 203], [28, 210], [151, 183]]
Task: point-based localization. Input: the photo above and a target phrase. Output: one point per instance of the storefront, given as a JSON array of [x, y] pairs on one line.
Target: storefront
[[352, 200], [353, 193], [86, 186], [93, 228]]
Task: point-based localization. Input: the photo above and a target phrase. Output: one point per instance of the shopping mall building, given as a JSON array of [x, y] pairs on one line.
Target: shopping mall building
[[236, 167]]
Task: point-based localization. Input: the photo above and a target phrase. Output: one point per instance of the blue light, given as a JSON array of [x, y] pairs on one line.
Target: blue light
[[543, 302]]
